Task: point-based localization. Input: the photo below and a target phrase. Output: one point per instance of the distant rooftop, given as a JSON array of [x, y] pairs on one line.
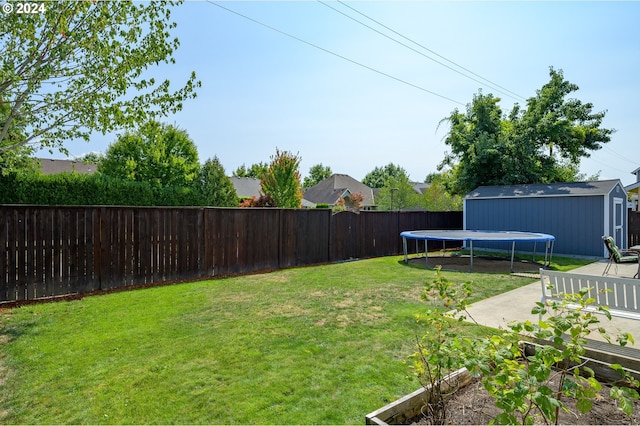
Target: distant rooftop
[[336, 186], [50, 166], [246, 187]]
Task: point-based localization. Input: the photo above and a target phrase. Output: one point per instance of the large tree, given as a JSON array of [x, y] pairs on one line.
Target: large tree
[[215, 186], [157, 153], [379, 176], [540, 144], [77, 67], [281, 182], [563, 126], [477, 144], [317, 173]]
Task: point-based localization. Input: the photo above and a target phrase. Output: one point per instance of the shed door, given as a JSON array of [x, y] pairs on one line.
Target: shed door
[[618, 221]]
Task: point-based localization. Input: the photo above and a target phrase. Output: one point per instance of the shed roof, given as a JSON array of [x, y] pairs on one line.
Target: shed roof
[[565, 189]]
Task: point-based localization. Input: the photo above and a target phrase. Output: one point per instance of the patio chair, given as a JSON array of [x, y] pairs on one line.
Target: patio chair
[[616, 255]]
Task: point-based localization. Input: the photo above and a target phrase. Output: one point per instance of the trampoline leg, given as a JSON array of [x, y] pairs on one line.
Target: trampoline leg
[[471, 256], [513, 250], [404, 247], [546, 249], [426, 254]]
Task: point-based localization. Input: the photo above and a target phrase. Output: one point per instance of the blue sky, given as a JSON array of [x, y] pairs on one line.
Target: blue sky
[[262, 89]]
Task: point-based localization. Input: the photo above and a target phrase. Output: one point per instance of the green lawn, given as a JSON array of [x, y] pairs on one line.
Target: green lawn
[[312, 345]]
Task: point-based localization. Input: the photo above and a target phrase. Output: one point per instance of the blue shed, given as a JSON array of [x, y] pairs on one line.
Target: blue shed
[[578, 214]]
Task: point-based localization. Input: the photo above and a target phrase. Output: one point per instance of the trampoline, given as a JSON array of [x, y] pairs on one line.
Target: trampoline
[[469, 236]]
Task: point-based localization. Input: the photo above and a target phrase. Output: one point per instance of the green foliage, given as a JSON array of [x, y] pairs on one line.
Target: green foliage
[[440, 349], [159, 154], [533, 387], [256, 171], [18, 159], [567, 126], [378, 177], [529, 388], [431, 177], [397, 193], [83, 189], [79, 67], [540, 144], [92, 157], [436, 198], [478, 145], [317, 173], [215, 186], [263, 201], [281, 182]]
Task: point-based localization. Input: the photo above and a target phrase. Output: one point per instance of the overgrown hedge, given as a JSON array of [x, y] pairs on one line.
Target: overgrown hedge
[[83, 189]]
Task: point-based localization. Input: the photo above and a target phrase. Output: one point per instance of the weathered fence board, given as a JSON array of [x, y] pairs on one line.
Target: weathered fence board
[[634, 228], [53, 251]]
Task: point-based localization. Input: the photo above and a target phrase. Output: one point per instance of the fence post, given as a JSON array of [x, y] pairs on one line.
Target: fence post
[[102, 249]]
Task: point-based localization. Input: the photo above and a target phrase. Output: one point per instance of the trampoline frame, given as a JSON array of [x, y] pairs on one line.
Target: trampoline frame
[[469, 236]]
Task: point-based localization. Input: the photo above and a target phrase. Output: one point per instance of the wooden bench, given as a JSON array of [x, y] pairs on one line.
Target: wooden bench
[[621, 295]]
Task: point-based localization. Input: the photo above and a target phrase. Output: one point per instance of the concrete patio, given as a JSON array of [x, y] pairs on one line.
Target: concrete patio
[[516, 305]]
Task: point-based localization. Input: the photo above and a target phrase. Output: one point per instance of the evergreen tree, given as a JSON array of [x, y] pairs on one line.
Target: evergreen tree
[[216, 188]]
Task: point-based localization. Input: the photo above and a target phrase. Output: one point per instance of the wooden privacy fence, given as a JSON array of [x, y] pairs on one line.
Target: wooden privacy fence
[[54, 251], [634, 228]]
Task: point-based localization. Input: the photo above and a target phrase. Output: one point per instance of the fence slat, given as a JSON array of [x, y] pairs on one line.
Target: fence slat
[[634, 228]]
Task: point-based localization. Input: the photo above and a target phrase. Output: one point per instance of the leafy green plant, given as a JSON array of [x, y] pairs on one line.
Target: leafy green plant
[[529, 387], [533, 388], [440, 350]]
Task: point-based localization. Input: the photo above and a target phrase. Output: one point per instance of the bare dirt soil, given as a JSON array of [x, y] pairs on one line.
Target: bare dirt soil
[[483, 264], [471, 405]]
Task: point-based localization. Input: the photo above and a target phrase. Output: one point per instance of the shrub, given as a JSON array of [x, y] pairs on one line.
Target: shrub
[[528, 388], [82, 189]]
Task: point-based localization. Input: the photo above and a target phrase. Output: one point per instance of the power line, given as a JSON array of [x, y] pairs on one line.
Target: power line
[[485, 82], [336, 54], [620, 156], [607, 165]]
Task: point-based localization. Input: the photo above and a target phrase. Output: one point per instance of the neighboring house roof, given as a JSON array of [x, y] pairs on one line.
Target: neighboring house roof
[[337, 186], [634, 187], [566, 189], [420, 187], [50, 166], [246, 187]]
